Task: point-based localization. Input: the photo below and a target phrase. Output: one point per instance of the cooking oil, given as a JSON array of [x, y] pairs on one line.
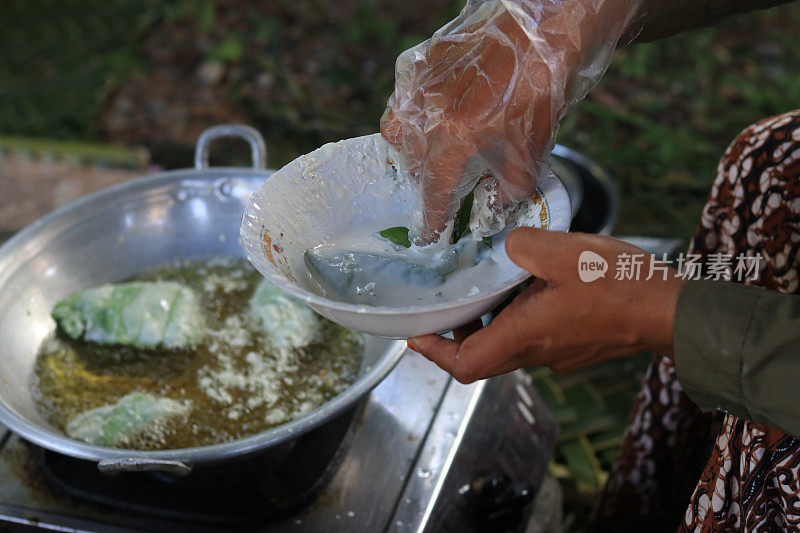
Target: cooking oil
[[236, 383]]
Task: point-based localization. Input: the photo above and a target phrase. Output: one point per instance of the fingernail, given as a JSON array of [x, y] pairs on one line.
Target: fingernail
[[411, 345]]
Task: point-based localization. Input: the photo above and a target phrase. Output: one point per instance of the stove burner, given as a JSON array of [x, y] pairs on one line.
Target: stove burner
[[251, 491], [393, 474]]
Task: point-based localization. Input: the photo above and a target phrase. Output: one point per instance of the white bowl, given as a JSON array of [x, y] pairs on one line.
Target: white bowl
[[322, 194]]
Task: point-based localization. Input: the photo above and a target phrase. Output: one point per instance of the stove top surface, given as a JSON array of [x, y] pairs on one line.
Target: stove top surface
[[419, 439]]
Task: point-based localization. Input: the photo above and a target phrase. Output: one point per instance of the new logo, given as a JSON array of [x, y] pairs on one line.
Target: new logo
[[591, 266]]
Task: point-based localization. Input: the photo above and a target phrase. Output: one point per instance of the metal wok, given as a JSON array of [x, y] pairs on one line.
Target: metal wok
[[116, 233]]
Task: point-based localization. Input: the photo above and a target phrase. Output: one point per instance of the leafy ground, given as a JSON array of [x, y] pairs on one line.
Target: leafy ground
[[143, 72], [666, 111], [304, 72]]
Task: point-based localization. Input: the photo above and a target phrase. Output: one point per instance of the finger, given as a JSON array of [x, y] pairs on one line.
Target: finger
[[391, 128], [555, 256], [459, 334], [511, 365], [518, 172], [489, 351], [544, 105], [442, 186], [443, 352], [505, 367], [491, 356], [549, 255]]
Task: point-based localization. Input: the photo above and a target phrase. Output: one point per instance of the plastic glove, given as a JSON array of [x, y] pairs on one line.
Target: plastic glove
[[485, 95]]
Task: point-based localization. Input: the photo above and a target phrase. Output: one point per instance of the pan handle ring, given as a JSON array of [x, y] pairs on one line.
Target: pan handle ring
[[113, 467], [258, 150]]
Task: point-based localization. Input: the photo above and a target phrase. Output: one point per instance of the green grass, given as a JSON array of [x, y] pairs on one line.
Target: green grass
[[60, 60], [658, 122], [665, 112]]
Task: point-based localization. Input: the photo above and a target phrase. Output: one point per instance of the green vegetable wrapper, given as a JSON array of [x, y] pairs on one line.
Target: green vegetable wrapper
[[141, 314], [118, 424], [288, 322]]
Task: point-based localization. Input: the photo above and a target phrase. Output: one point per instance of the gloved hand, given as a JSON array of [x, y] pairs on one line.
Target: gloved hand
[[485, 94]]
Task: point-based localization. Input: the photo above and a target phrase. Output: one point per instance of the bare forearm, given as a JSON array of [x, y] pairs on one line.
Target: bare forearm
[[668, 17]]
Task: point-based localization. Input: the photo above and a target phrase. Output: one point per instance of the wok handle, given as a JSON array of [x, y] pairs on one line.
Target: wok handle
[[258, 150], [113, 467]]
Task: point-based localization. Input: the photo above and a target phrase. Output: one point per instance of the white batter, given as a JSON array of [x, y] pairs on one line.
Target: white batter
[[361, 267]]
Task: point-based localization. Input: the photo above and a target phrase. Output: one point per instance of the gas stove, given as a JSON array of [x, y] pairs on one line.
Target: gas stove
[[425, 453]]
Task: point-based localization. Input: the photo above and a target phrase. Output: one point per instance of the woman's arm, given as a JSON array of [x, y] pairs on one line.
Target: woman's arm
[[737, 348], [668, 17], [580, 309]]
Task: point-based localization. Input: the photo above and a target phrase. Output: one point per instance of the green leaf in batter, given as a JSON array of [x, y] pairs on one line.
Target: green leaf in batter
[[462, 218], [398, 235]]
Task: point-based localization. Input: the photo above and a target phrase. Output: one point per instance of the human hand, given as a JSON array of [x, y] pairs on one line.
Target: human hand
[[486, 92], [559, 321]]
